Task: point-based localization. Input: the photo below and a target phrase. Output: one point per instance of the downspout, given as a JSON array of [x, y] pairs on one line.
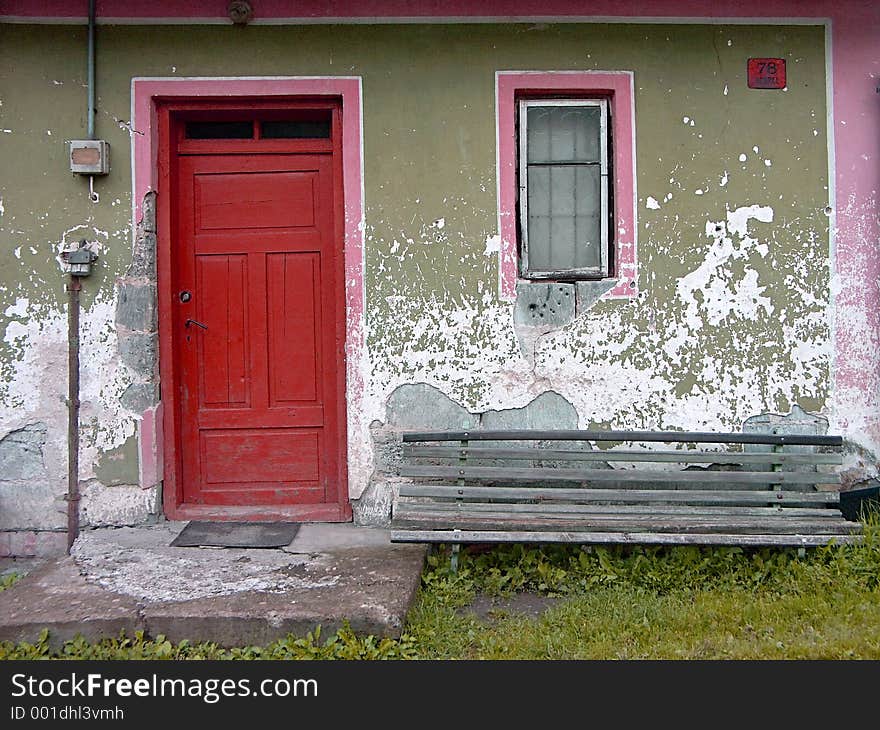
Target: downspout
[[74, 288], [91, 71]]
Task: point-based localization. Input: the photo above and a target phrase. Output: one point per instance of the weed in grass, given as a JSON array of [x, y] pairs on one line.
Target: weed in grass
[[344, 644], [573, 570], [9, 580]]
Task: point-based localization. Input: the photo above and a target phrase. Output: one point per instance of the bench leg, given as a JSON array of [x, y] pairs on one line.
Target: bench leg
[[454, 559], [802, 552]]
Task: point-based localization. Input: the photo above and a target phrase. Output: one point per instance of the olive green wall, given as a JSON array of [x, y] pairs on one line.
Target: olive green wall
[[731, 317]]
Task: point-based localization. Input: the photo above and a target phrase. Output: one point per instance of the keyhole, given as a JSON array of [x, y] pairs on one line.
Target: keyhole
[[185, 296]]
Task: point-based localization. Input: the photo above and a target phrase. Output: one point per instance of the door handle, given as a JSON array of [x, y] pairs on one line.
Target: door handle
[[197, 324]]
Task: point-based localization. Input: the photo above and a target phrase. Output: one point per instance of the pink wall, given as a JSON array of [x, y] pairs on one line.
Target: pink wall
[[389, 9], [856, 64]]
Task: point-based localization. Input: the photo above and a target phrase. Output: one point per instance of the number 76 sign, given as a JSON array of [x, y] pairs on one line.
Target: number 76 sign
[[766, 73]]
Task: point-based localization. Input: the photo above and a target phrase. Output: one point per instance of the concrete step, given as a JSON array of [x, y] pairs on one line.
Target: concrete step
[[130, 579]]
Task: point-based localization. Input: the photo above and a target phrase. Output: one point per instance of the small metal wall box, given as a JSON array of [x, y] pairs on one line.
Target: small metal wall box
[[79, 260], [90, 156]]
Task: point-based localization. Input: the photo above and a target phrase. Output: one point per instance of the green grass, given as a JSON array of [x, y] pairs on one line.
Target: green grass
[[613, 603], [659, 603], [622, 623]]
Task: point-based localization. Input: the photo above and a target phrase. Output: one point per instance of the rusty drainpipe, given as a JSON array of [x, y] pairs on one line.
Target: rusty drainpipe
[[73, 289]]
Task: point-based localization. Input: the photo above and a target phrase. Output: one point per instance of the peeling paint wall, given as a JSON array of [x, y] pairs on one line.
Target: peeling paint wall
[[734, 312]]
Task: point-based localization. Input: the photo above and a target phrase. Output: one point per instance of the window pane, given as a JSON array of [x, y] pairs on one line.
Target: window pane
[[563, 133], [564, 217], [219, 130], [588, 216], [303, 129]]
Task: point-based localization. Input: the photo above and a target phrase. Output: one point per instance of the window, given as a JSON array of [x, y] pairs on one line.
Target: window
[[564, 188]]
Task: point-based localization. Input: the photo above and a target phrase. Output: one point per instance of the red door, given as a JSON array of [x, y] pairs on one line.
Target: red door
[[255, 305]]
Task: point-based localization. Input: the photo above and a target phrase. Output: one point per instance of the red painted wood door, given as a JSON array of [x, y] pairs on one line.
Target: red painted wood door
[[255, 329]]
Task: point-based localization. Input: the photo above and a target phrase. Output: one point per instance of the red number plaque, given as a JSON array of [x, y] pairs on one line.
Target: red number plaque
[[766, 73]]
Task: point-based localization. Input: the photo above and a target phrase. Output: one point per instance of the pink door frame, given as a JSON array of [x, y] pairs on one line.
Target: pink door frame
[[145, 178]]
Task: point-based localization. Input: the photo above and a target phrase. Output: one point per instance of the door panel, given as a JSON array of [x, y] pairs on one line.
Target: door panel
[[258, 368], [294, 346], [235, 456], [256, 200], [223, 301]]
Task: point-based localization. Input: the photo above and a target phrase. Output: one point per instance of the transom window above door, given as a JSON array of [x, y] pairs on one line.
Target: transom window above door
[[314, 127], [564, 190]]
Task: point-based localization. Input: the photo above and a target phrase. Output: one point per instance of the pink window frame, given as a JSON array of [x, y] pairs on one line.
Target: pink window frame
[[617, 87]]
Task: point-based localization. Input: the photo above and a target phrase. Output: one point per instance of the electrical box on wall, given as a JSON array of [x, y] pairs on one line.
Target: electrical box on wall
[[78, 261], [90, 156]]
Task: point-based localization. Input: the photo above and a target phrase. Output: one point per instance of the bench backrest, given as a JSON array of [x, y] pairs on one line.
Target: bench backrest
[[721, 469]]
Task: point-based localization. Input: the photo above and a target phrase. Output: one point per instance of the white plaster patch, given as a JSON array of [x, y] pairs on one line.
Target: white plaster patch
[[742, 157], [34, 391], [738, 220], [19, 309], [117, 505], [712, 293], [492, 245], [652, 204]]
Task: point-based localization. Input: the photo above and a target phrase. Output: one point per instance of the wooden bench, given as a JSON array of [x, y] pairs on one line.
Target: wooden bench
[[554, 487]]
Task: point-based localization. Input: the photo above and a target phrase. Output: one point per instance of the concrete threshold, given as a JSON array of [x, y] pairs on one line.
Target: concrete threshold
[[130, 579]]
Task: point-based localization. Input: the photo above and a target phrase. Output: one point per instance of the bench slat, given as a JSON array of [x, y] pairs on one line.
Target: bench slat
[[635, 538], [643, 436], [624, 523], [618, 475], [820, 511], [680, 457], [619, 495]]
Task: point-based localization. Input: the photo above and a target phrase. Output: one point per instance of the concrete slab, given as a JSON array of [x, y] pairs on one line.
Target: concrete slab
[[371, 588], [131, 578], [329, 537], [19, 566], [56, 596]]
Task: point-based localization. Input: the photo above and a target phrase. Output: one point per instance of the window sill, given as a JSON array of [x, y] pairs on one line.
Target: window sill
[[550, 304]]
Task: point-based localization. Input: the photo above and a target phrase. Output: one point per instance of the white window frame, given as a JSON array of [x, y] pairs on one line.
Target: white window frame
[[592, 272]]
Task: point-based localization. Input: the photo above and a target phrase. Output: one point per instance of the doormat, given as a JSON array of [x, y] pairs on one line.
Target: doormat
[[236, 534]]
